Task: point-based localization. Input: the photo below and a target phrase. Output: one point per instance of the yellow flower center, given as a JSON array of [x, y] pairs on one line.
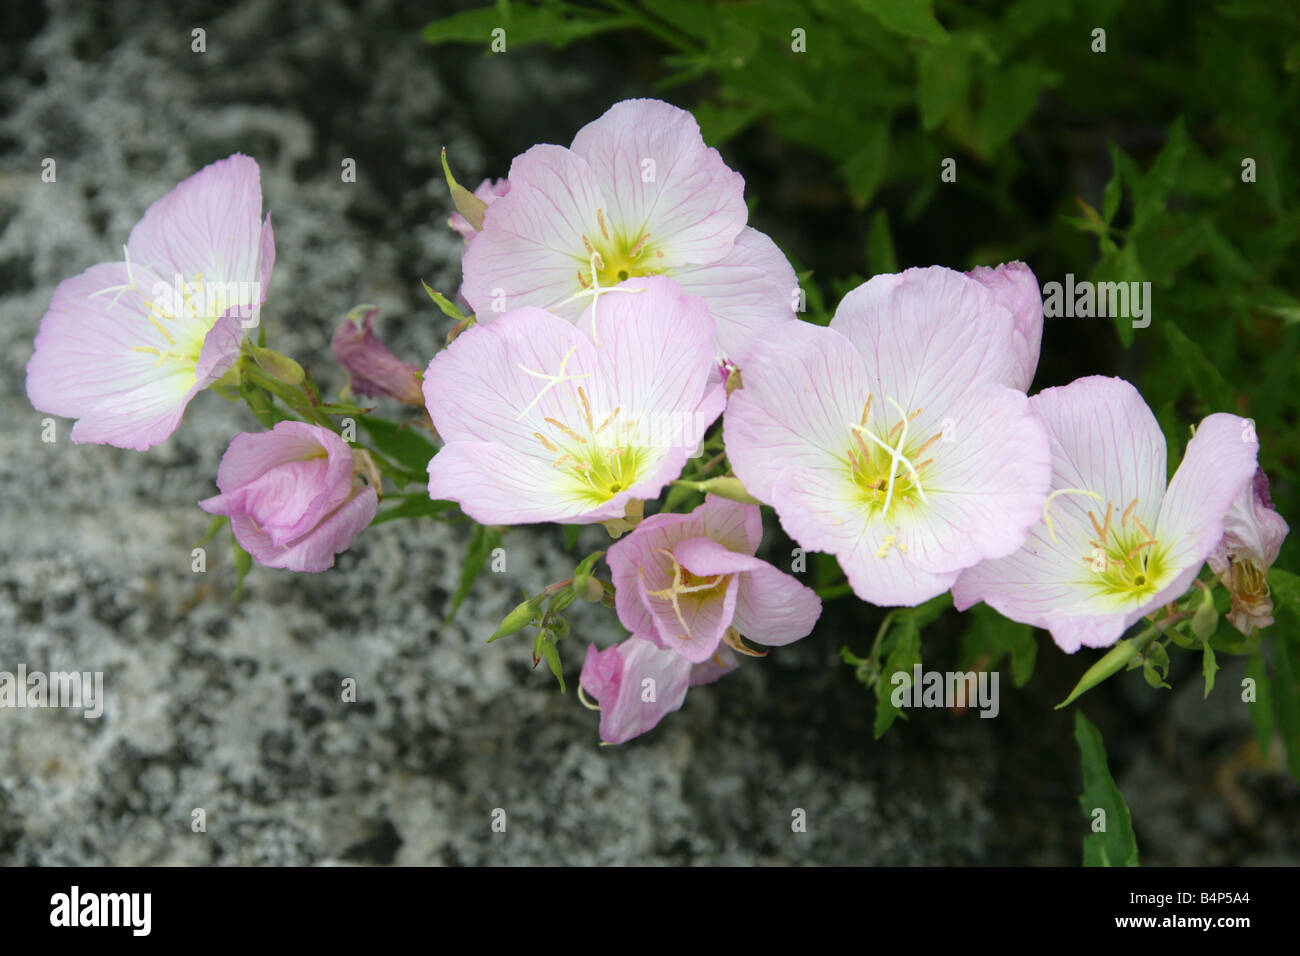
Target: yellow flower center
[[886, 467]]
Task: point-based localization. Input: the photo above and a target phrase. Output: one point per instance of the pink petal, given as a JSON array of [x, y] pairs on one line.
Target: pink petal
[[801, 394], [1016, 287], [650, 683], [751, 292], [930, 334], [531, 248], [723, 662], [656, 176], [316, 550], [773, 608]]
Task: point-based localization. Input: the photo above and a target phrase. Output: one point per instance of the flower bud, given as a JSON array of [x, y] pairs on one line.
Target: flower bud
[[279, 367], [518, 619], [373, 369]]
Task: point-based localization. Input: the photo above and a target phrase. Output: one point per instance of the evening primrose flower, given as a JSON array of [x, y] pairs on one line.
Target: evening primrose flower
[[547, 421], [1113, 543], [1016, 287], [636, 194], [897, 438], [1252, 538], [294, 496], [126, 345], [638, 683], [690, 582]]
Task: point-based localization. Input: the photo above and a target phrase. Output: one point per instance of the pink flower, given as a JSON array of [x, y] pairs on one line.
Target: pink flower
[[1113, 543], [545, 421], [126, 345], [1016, 288], [637, 683], [489, 191], [689, 582], [1252, 538], [292, 496], [897, 438], [636, 194], [372, 369]]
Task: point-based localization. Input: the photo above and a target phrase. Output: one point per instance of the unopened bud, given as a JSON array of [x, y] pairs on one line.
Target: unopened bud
[[518, 619], [279, 367]]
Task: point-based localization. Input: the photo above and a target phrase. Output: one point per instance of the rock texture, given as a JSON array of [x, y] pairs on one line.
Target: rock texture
[[236, 708]]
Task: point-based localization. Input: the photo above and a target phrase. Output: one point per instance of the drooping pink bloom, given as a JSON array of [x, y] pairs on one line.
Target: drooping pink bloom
[[637, 683], [489, 191], [372, 368], [1252, 538], [1016, 287], [547, 421], [126, 345], [897, 438], [636, 194], [1113, 543], [292, 496], [689, 582]]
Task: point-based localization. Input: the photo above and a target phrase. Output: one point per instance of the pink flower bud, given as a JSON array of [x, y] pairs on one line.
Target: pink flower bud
[[291, 496], [374, 370], [1252, 538]]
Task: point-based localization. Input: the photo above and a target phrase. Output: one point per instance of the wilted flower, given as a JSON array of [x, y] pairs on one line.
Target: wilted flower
[[637, 194], [689, 582], [1252, 538], [897, 438], [292, 495], [637, 683], [547, 421], [1113, 543], [373, 370], [126, 345], [489, 191]]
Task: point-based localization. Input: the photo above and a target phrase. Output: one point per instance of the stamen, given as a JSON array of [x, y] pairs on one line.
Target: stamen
[[564, 428], [546, 442], [586, 408], [600, 216]]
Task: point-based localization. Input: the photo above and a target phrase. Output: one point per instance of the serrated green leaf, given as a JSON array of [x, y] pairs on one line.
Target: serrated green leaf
[[1116, 845], [943, 80]]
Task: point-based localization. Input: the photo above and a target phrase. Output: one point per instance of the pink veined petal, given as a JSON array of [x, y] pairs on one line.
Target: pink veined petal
[[802, 393], [705, 557], [209, 225], [658, 177], [220, 351], [987, 485], [88, 363], [1105, 440], [723, 662], [773, 608], [654, 347], [751, 291], [316, 550], [601, 671], [816, 511], [929, 334], [531, 248], [495, 484], [652, 683], [1219, 463], [736, 525], [1016, 287], [499, 382]]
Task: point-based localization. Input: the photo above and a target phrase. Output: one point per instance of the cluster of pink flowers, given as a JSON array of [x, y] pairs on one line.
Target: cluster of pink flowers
[[623, 308]]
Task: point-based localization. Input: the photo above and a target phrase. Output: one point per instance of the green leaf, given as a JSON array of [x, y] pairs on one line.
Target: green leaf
[[992, 637], [213, 527], [448, 307], [1261, 708], [881, 258], [865, 168], [243, 564], [943, 74], [1110, 200], [1209, 667], [1010, 98], [910, 18], [1150, 196], [523, 26], [401, 442], [903, 653], [414, 508], [482, 543], [1116, 845], [1114, 661]]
